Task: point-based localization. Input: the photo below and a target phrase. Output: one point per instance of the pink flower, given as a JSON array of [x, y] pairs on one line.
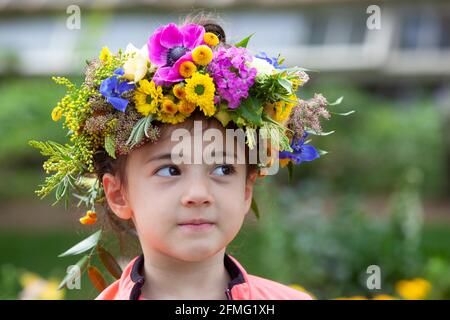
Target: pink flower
[[169, 46]]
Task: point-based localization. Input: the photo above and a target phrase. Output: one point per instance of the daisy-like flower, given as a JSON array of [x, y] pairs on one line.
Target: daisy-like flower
[[167, 45], [147, 97], [200, 90], [202, 55], [211, 39]]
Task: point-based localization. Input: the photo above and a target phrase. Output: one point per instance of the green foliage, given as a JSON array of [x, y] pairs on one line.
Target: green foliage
[[297, 241]]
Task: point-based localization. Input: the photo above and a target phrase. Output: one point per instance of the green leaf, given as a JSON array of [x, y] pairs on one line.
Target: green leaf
[[286, 84], [148, 121], [319, 133], [110, 145], [84, 245], [137, 133], [255, 208], [338, 101], [244, 42], [81, 264], [343, 113], [251, 110], [322, 152]]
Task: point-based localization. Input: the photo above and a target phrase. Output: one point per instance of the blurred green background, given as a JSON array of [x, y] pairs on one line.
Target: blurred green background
[[380, 197]]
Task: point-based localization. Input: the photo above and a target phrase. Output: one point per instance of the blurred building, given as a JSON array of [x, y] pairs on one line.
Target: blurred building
[[413, 40]]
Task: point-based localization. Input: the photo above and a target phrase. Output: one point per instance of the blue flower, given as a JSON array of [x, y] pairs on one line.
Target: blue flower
[[301, 151], [273, 61], [111, 88]]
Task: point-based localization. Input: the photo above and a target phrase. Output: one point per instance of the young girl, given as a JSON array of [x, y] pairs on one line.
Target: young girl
[[126, 123]]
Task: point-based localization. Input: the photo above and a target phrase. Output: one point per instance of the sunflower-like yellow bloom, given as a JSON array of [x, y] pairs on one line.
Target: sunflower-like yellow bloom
[[200, 90], [202, 55], [187, 69], [147, 97], [211, 39]]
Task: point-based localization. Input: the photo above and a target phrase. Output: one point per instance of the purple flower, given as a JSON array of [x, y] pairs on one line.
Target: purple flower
[[167, 45], [301, 151], [112, 88], [232, 75]]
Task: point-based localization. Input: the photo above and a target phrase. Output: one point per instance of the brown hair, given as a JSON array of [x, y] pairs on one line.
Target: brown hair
[[105, 164]]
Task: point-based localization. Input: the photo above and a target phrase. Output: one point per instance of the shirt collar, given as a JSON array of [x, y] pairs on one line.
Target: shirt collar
[[137, 276]]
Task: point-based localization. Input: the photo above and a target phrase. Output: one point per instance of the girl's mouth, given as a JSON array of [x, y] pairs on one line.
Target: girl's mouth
[[196, 226]]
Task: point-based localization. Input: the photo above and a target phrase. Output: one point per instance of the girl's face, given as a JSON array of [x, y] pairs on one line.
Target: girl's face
[[163, 197]]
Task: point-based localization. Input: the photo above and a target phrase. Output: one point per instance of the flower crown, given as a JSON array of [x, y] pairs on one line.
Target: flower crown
[[179, 70]]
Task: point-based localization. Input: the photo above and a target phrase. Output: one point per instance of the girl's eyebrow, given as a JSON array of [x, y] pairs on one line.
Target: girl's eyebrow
[[163, 156], [168, 156]]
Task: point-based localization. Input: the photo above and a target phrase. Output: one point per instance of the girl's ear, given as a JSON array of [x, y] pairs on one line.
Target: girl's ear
[[115, 196], [249, 189]]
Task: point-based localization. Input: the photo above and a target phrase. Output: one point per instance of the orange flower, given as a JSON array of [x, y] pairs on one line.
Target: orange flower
[[178, 91], [186, 107], [169, 107], [187, 69], [89, 218]]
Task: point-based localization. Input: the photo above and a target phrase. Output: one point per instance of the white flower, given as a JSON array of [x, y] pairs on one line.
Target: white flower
[[263, 68], [137, 64]]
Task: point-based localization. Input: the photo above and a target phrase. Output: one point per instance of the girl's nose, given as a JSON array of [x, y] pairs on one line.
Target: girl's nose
[[197, 193]]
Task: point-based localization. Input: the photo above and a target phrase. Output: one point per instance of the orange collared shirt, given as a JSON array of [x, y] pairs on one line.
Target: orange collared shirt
[[242, 286]]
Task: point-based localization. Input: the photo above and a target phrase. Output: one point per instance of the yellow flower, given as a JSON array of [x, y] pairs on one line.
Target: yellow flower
[[37, 288], [186, 107], [383, 297], [415, 289], [283, 109], [170, 118], [89, 218], [202, 55], [300, 288], [56, 113], [147, 97], [105, 55], [178, 91], [200, 91], [187, 69], [211, 39]]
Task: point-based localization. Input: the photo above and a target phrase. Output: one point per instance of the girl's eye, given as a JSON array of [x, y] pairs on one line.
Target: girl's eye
[[224, 170], [168, 171]]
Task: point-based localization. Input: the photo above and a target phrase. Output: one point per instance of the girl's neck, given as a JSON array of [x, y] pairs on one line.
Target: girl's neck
[[169, 278]]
